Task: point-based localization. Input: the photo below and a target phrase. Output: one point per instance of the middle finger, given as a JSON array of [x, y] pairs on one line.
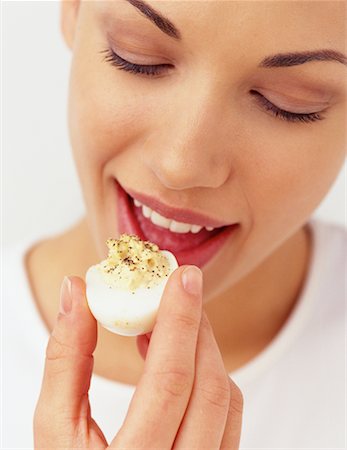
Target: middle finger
[[163, 392], [204, 421]]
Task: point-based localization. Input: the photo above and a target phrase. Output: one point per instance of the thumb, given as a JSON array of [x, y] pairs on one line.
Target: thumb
[[69, 360]]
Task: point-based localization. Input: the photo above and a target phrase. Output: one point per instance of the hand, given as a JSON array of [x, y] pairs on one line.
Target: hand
[[184, 398]]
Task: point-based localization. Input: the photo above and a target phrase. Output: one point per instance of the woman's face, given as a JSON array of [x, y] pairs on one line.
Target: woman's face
[[201, 134]]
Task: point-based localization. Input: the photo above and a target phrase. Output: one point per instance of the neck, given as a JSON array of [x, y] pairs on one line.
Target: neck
[[244, 319]]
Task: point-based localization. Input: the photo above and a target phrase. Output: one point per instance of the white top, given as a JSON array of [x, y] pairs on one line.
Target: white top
[[294, 390]]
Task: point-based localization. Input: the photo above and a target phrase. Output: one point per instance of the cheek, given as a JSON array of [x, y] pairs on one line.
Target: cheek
[[286, 178], [295, 173], [283, 180], [104, 123], [103, 118]]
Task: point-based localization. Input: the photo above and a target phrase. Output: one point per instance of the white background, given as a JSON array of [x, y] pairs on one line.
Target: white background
[[40, 190]]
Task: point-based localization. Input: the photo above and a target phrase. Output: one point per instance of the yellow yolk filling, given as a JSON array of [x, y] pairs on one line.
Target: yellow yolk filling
[[133, 263]]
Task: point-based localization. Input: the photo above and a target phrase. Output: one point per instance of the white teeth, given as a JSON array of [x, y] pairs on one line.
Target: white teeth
[[169, 224], [159, 220], [196, 228], [179, 227], [146, 211]]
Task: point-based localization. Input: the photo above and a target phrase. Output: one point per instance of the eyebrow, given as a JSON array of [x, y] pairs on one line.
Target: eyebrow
[[163, 23], [297, 58], [277, 60]]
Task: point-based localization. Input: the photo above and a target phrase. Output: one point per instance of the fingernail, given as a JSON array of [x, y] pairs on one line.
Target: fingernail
[[65, 297], [192, 280]]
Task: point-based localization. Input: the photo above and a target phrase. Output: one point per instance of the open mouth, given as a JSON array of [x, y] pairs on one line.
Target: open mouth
[[190, 243]]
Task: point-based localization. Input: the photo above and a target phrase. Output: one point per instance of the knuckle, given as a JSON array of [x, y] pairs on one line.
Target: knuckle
[[236, 401], [216, 392], [174, 382], [57, 349], [185, 321]]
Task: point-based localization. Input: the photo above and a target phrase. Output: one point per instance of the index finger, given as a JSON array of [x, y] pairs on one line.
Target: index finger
[[63, 401], [162, 395]]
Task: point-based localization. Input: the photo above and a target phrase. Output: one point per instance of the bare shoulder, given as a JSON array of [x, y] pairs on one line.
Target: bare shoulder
[[42, 267], [47, 262]]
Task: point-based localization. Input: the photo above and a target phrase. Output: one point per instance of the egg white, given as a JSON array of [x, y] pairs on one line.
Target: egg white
[[121, 311]]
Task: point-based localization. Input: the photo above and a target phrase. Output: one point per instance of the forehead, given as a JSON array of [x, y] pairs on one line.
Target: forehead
[[294, 19]]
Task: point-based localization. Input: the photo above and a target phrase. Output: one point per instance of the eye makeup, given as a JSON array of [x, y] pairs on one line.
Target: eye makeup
[[154, 70], [140, 69], [283, 114]]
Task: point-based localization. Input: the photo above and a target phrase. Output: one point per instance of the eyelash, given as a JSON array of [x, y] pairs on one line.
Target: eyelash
[[122, 64], [285, 115], [152, 70]]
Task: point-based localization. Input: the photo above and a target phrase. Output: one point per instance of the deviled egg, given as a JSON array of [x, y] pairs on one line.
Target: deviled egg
[[124, 290]]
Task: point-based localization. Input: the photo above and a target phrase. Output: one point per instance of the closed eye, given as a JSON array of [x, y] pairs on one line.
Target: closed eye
[[158, 69], [138, 69], [283, 114]]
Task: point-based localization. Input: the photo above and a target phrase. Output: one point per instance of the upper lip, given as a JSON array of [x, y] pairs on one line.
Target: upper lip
[[177, 214]]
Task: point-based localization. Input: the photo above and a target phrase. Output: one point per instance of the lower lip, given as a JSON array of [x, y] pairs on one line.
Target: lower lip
[[199, 254]]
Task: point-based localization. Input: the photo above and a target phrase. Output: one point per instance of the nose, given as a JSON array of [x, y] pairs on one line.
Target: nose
[[192, 142]]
